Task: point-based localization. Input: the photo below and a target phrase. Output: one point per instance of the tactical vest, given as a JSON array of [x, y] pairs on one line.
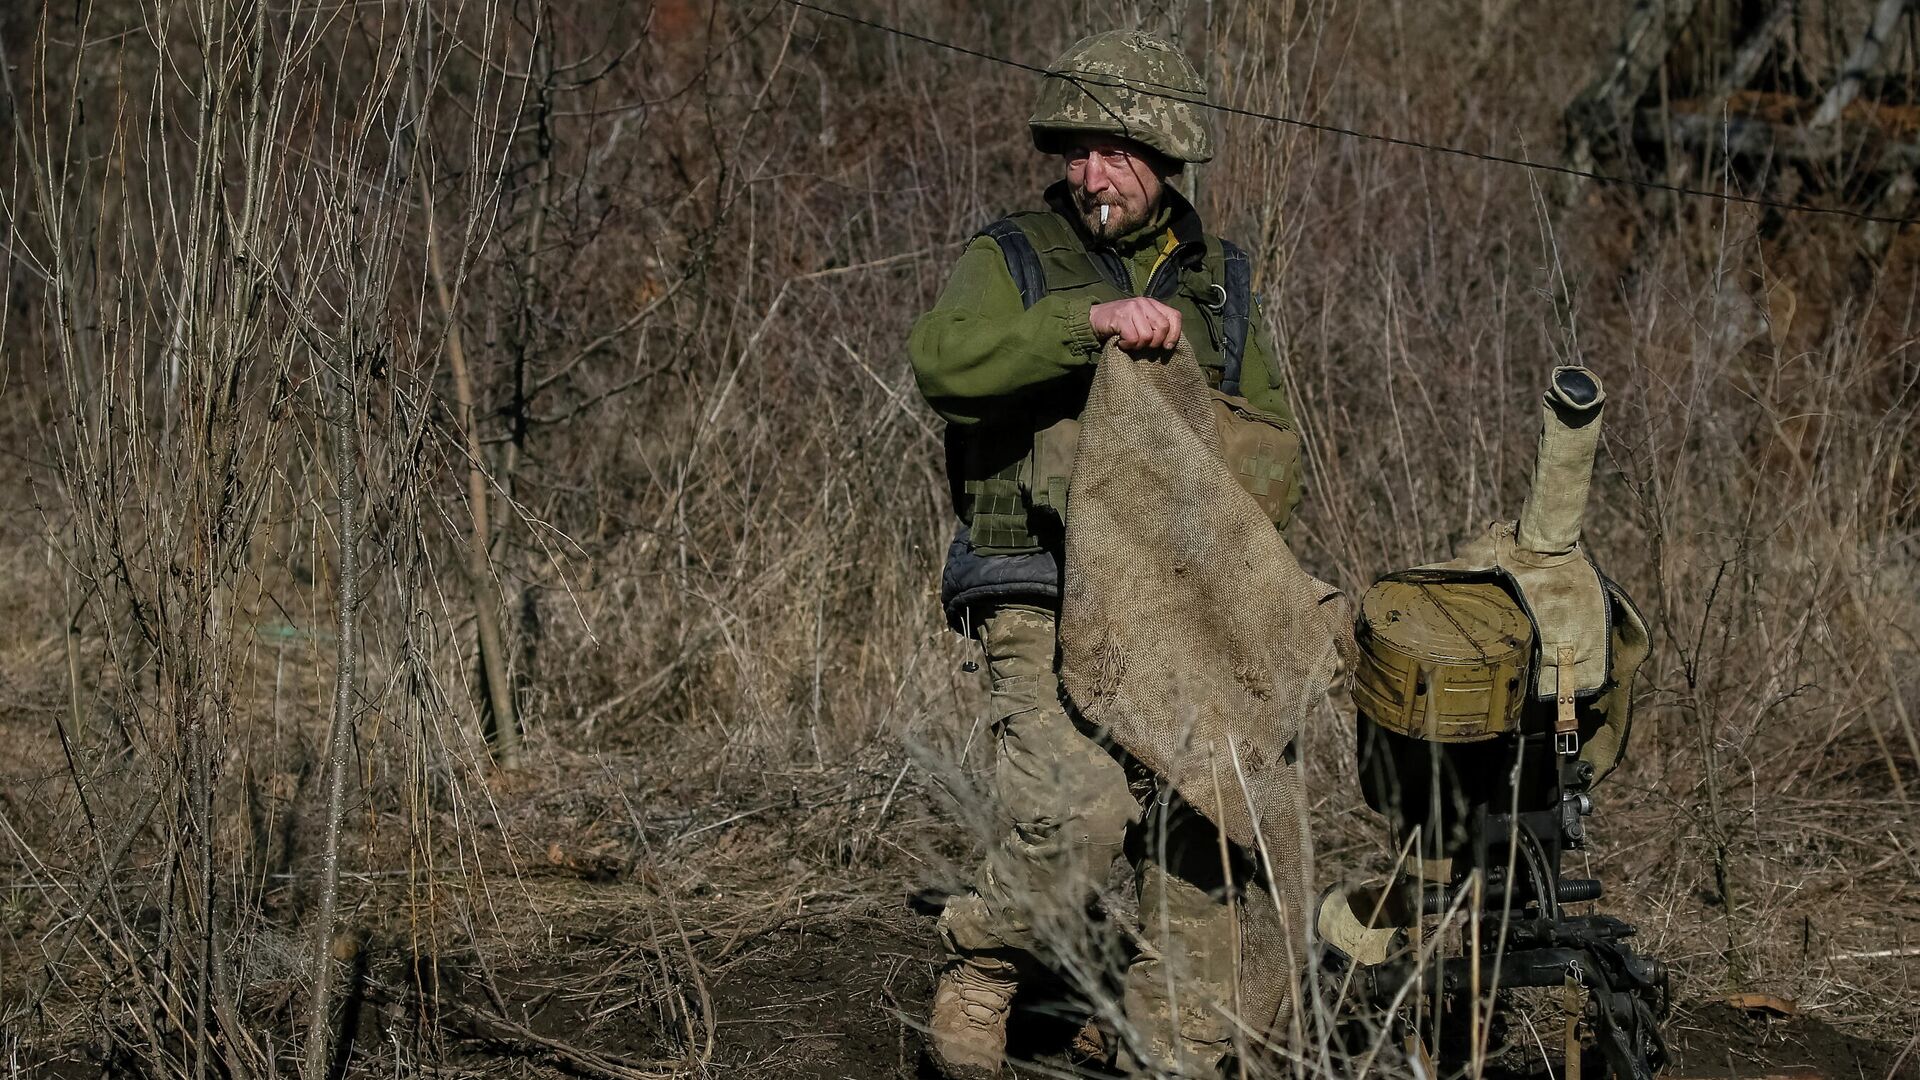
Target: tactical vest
[[1010, 477]]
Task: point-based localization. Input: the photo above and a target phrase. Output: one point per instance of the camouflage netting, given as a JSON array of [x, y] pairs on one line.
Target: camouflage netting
[[1190, 632]]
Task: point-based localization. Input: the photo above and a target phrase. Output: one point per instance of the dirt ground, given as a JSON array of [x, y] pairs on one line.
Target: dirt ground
[[800, 926], [840, 993], [1716, 1040], [761, 924]]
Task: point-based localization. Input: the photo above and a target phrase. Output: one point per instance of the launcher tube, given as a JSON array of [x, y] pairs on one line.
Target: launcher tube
[[1563, 465]]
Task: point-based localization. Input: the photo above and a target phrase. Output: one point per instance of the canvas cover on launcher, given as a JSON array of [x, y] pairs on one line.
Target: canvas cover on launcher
[[1427, 680]]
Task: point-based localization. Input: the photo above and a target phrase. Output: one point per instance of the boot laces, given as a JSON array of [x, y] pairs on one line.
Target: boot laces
[[985, 994]]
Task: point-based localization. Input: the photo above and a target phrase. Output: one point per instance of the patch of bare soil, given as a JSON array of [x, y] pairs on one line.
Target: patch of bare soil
[[839, 1000], [834, 999], [815, 964], [762, 933], [844, 996], [1718, 1041]]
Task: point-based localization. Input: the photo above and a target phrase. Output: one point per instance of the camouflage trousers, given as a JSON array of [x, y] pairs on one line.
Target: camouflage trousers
[[1072, 803]]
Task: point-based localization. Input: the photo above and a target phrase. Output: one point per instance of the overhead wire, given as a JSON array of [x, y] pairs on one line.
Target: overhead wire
[[1083, 78]]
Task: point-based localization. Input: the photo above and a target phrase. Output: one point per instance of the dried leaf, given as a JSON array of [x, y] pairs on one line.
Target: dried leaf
[[1766, 1003]]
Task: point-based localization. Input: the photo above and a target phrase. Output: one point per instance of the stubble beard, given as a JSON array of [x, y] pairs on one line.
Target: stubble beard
[[1119, 221]]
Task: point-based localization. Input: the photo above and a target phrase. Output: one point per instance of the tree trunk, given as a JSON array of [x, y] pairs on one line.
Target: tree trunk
[[493, 656], [346, 434], [1866, 56], [1599, 120]]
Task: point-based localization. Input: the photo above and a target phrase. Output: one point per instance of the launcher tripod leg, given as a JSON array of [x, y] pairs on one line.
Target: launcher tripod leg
[[1571, 1000], [1416, 1048]]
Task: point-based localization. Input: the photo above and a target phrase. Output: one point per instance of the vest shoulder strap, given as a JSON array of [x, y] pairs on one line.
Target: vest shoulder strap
[[1236, 312], [1029, 274], [1023, 262], [1043, 254]]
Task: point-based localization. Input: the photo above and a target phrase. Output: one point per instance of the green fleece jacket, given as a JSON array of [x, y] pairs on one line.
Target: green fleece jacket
[[1005, 376], [979, 348]]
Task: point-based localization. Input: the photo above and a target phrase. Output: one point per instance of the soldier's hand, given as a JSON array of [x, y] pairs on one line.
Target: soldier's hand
[[1138, 323]]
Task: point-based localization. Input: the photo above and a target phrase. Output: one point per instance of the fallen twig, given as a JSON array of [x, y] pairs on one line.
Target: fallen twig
[[497, 1029], [1878, 954]]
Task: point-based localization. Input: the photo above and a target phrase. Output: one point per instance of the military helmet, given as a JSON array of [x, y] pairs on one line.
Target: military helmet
[[1124, 83]]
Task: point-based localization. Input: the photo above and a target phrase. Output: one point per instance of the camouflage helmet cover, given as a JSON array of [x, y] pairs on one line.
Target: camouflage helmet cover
[[1124, 83]]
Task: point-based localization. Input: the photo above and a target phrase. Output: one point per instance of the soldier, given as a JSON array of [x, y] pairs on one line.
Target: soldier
[[1006, 357]]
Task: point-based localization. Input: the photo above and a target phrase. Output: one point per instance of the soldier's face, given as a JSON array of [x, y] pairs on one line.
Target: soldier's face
[[1116, 174]]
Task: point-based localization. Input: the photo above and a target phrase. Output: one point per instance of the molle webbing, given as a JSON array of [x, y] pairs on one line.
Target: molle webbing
[[999, 515], [988, 498]]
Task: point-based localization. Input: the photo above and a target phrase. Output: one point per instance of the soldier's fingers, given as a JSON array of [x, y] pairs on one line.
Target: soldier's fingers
[[1166, 325], [1156, 335], [1157, 319]]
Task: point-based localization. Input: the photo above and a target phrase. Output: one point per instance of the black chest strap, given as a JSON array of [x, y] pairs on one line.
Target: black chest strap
[[1022, 261], [1236, 313]]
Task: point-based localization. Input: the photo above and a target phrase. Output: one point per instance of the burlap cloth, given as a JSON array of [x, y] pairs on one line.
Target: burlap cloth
[[1188, 629]]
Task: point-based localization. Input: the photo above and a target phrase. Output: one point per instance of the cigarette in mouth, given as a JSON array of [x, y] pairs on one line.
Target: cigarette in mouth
[[1105, 209]]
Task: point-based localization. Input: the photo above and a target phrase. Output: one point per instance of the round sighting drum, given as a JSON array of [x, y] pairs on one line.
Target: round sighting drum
[[1442, 660]]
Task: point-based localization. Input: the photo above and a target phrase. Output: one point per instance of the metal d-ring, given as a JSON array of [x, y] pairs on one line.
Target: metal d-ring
[[1216, 297]]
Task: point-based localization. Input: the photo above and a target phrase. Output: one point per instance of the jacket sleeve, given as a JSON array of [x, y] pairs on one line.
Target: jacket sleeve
[[979, 348], [1262, 381]]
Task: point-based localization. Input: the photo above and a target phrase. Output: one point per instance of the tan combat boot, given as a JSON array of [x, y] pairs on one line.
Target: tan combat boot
[[967, 1033]]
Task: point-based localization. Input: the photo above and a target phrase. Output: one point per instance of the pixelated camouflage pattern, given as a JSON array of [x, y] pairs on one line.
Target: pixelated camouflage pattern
[[1204, 975], [1064, 795], [1071, 805], [1129, 84]]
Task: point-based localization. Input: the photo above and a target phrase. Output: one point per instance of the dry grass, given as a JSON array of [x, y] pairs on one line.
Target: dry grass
[[686, 273]]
